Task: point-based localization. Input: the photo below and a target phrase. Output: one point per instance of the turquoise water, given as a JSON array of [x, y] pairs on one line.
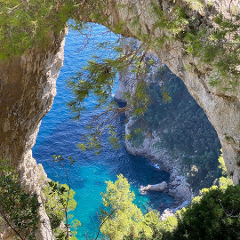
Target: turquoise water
[[59, 135]]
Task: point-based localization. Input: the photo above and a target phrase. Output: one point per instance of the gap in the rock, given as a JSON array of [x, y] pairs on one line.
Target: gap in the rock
[[59, 135]]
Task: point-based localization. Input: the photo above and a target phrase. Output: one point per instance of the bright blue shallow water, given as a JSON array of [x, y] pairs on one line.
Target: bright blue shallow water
[[59, 135]]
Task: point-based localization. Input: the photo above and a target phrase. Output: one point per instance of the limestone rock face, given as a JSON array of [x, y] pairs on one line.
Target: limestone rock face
[[27, 90], [122, 86], [179, 188], [221, 106], [156, 187]]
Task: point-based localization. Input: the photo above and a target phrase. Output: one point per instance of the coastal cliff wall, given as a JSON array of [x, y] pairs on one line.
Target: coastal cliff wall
[[176, 135], [27, 90], [178, 187], [221, 103], [27, 86]]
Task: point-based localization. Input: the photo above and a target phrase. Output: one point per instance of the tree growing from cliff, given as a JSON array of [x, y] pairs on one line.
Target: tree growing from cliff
[[228, 60], [25, 24], [120, 216], [97, 79], [18, 210], [214, 47], [60, 204], [215, 216]]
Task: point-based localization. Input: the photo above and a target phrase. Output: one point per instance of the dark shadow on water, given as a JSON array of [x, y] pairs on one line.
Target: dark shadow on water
[[165, 202]]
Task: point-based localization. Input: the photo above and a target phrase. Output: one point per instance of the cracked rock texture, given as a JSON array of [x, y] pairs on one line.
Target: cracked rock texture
[[27, 90], [222, 107], [178, 187]]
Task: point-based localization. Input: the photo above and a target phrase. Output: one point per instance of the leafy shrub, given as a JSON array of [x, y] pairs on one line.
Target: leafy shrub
[[120, 217], [215, 216], [19, 210], [60, 202]]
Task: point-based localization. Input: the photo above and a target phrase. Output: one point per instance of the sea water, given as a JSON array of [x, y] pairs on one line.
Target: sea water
[[59, 135]]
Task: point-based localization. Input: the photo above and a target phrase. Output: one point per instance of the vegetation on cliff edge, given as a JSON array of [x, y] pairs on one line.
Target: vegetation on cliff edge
[[184, 130], [215, 214]]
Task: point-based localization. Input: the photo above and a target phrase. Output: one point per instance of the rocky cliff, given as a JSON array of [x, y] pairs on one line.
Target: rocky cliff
[[27, 83], [181, 191], [220, 103], [178, 187], [27, 90], [176, 135]]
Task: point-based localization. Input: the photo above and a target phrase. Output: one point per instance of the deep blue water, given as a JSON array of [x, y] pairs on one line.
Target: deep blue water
[[59, 135]]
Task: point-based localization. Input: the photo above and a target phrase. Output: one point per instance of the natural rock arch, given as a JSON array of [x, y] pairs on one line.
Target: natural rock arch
[[27, 89]]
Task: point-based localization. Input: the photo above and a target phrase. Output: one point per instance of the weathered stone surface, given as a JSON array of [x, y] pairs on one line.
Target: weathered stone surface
[[182, 192], [27, 90], [156, 187], [222, 107], [175, 183], [122, 86], [167, 213], [170, 212]]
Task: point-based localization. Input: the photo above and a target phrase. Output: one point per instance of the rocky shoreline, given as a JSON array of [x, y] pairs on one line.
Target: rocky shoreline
[[177, 186]]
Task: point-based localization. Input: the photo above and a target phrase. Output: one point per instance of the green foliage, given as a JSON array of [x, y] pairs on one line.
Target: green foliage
[[59, 203], [137, 137], [97, 79], [172, 23], [183, 128], [19, 210], [215, 216], [24, 24], [211, 46], [170, 223], [165, 96], [224, 181], [120, 217], [222, 164], [219, 48], [29, 23]]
